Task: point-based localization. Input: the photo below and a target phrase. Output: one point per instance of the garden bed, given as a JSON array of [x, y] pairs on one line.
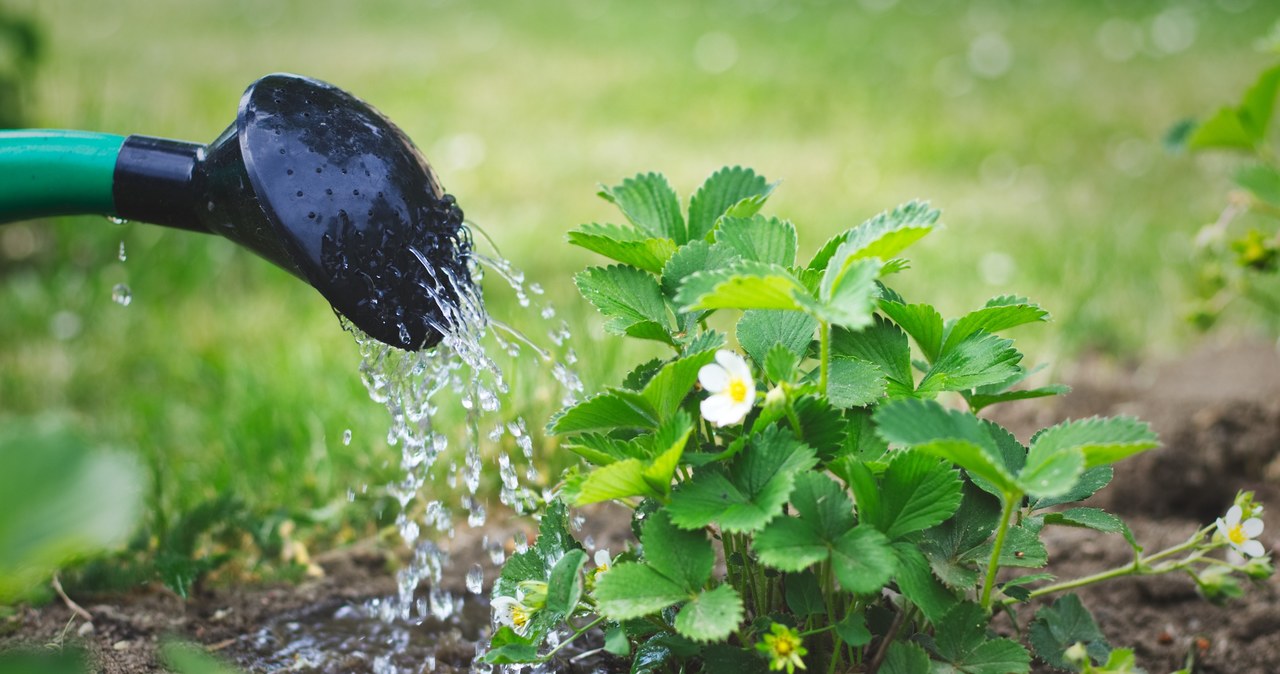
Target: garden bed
[[1218, 415]]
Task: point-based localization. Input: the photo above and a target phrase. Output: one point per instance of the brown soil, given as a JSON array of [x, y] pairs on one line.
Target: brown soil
[[1218, 415]]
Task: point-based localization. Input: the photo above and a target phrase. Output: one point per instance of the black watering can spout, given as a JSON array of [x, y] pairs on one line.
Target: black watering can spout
[[309, 177]]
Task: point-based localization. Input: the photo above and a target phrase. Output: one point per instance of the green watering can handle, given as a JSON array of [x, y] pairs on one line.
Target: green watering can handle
[[46, 172]]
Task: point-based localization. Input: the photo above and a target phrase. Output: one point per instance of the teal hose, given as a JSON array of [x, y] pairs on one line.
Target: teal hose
[[46, 172]]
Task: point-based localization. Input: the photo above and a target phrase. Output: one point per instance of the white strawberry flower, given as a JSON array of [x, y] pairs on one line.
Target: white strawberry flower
[[510, 612], [1241, 535], [732, 389], [603, 561]]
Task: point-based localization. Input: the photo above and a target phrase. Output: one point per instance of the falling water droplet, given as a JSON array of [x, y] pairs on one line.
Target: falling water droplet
[[346, 437], [115, 220], [122, 256], [121, 295], [475, 579]]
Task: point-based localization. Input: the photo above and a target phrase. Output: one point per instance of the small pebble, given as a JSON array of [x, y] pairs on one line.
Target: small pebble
[[85, 630], [122, 645]]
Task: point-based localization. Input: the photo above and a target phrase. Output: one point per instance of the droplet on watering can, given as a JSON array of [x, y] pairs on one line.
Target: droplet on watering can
[[121, 295], [346, 437], [475, 579], [122, 255]]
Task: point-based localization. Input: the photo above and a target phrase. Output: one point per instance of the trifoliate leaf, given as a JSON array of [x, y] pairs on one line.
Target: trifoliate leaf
[[743, 285], [963, 641], [761, 330], [953, 548], [674, 382], [650, 203], [852, 382], [608, 411], [759, 239], [804, 595], [1093, 518], [955, 436], [625, 295], [979, 359], [633, 590], [918, 491], [684, 556], [712, 615], [1059, 626], [918, 584], [750, 491], [796, 543], [883, 236], [863, 560], [1103, 441], [734, 189], [905, 657], [848, 291], [992, 319], [921, 321], [625, 245], [694, 256], [882, 343]]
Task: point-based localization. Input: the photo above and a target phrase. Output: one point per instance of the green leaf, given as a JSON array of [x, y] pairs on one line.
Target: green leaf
[[735, 189], [921, 321], [1087, 485], [804, 595], [1059, 626], [627, 296], [918, 584], [978, 401], [905, 657], [617, 480], [1093, 518], [1103, 441], [882, 343], [883, 236], [780, 363], [762, 330], [1224, 130], [918, 492], [650, 203], [795, 543], [674, 382], [825, 427], [712, 615], [1259, 103], [624, 245], [953, 548], [853, 630], [854, 383], [554, 542], [564, 584], [848, 291], [692, 257], [1022, 549], [632, 590], [751, 491], [61, 498], [616, 641], [743, 285], [1262, 180], [979, 359], [962, 640], [685, 557], [1051, 470], [759, 239], [1000, 313], [951, 435], [863, 560], [608, 411]]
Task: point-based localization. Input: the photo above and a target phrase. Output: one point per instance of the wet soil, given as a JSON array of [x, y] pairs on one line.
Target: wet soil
[[1217, 412]]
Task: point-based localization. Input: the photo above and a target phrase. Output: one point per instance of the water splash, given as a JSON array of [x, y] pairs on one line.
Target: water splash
[[425, 392], [121, 255], [121, 294]]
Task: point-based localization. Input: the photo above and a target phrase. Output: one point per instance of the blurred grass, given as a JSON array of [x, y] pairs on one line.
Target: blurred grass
[[1034, 126]]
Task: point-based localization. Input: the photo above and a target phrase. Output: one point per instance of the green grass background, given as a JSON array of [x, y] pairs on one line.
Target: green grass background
[[1035, 126]]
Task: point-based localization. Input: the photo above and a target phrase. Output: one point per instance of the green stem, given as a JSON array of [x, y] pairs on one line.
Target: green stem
[[551, 653], [824, 355], [993, 565]]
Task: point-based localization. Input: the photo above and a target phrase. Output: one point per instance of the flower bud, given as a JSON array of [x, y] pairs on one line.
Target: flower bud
[[1077, 654], [1258, 568]]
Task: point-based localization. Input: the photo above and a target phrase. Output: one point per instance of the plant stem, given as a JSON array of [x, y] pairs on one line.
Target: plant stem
[[551, 653], [824, 355], [993, 565]]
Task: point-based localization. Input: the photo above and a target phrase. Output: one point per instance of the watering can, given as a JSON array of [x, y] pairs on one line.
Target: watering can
[[308, 176]]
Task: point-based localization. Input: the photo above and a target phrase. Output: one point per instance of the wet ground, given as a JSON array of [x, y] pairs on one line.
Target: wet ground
[[1217, 411]]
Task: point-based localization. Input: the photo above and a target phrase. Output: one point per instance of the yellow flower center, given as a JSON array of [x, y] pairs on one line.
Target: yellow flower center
[[783, 647], [737, 390], [1236, 534]]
